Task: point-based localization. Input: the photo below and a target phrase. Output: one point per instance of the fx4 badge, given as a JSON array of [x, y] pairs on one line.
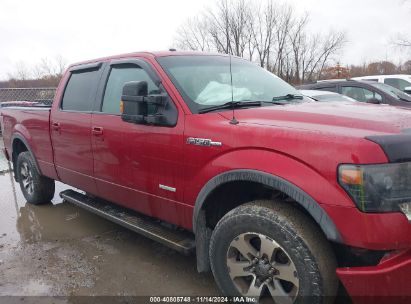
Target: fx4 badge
[[203, 142]]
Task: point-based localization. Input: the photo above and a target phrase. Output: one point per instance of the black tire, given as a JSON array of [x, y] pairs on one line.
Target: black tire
[[305, 247], [37, 189]]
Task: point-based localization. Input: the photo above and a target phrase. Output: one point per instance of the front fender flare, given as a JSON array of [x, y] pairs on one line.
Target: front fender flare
[[203, 233]]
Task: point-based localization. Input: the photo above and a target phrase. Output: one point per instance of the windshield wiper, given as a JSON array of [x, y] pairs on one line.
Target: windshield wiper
[[231, 104], [288, 97]]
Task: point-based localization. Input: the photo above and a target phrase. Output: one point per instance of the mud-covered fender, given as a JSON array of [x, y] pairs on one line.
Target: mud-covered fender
[[203, 233], [29, 149]]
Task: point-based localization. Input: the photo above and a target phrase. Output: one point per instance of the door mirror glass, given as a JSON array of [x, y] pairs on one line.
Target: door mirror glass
[[407, 90]]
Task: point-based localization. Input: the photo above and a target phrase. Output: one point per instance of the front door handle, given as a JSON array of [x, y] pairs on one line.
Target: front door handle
[[97, 131], [56, 126]]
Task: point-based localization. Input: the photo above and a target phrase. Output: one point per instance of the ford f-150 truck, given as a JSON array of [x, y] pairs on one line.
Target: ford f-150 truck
[[281, 198]]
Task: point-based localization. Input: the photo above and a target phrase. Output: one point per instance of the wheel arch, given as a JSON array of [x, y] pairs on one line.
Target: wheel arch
[[304, 200], [18, 145]]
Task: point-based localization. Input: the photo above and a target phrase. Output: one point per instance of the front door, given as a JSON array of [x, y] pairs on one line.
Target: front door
[[138, 166]]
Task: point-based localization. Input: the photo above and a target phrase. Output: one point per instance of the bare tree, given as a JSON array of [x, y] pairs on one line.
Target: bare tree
[[402, 41], [269, 33], [229, 25], [262, 30], [60, 64], [52, 67], [21, 71], [331, 44], [280, 52], [194, 35], [47, 72]]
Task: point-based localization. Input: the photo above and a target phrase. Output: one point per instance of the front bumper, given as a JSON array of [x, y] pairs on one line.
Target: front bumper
[[388, 282]]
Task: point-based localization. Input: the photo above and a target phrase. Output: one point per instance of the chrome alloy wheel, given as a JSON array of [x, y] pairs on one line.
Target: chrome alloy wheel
[[260, 267], [27, 178]]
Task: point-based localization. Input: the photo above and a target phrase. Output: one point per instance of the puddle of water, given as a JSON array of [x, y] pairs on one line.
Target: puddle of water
[[23, 222], [60, 249]]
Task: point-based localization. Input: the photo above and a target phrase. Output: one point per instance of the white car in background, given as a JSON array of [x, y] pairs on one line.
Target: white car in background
[[399, 81]]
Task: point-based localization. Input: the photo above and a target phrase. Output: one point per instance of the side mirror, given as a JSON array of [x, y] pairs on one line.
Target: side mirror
[[138, 107], [407, 90]]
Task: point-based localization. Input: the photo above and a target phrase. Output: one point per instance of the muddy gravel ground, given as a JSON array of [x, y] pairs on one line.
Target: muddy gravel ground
[[61, 250]]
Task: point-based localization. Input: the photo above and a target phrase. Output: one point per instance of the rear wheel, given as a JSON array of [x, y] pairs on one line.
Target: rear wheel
[[272, 251], [37, 189]]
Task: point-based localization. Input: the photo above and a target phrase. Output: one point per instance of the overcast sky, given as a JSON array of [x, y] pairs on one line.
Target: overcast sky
[[81, 29]]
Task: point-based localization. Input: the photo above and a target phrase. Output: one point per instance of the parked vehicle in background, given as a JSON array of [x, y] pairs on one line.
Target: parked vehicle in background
[[319, 95], [364, 91], [399, 81], [280, 198]]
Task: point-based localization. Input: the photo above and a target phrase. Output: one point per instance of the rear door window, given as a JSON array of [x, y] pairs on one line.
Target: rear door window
[[360, 94], [80, 91]]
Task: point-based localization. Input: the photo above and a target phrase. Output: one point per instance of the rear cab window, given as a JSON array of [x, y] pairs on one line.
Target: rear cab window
[[79, 93]]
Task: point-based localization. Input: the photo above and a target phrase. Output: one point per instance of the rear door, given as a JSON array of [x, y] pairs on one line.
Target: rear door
[[71, 128]]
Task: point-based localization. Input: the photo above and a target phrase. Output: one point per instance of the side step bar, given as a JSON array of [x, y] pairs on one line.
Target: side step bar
[[180, 240]]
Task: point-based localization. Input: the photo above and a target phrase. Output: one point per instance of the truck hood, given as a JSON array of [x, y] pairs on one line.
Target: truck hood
[[345, 118]]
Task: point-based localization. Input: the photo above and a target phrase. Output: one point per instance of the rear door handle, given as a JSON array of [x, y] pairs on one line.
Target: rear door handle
[[97, 131], [56, 126]]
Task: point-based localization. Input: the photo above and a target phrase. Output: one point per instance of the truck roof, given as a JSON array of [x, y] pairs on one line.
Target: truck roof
[[149, 54]]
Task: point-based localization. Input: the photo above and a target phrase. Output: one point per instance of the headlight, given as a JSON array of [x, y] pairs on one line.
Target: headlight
[[377, 188]]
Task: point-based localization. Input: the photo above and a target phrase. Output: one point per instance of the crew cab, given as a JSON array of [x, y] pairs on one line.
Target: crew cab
[[282, 198]]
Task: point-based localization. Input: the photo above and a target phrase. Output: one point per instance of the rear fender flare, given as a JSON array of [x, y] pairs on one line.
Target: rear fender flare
[[24, 141]]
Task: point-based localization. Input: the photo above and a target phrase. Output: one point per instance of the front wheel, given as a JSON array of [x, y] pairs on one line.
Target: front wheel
[[272, 251], [37, 189]]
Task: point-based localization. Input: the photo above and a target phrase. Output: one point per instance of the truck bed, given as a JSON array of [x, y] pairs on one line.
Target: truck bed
[[33, 125]]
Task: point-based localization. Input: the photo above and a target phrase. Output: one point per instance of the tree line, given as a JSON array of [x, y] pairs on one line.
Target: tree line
[[269, 33], [46, 73], [277, 38], [365, 69]]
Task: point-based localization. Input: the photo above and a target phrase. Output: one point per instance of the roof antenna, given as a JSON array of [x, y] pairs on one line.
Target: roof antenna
[[233, 121]]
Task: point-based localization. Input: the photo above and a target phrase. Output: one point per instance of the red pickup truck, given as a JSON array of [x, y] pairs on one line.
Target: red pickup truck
[[281, 198]]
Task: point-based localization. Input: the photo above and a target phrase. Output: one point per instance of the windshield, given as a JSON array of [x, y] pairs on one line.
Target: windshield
[[394, 92], [205, 81]]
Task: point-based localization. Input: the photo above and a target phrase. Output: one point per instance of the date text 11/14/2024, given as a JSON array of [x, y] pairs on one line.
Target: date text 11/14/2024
[[203, 299]]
